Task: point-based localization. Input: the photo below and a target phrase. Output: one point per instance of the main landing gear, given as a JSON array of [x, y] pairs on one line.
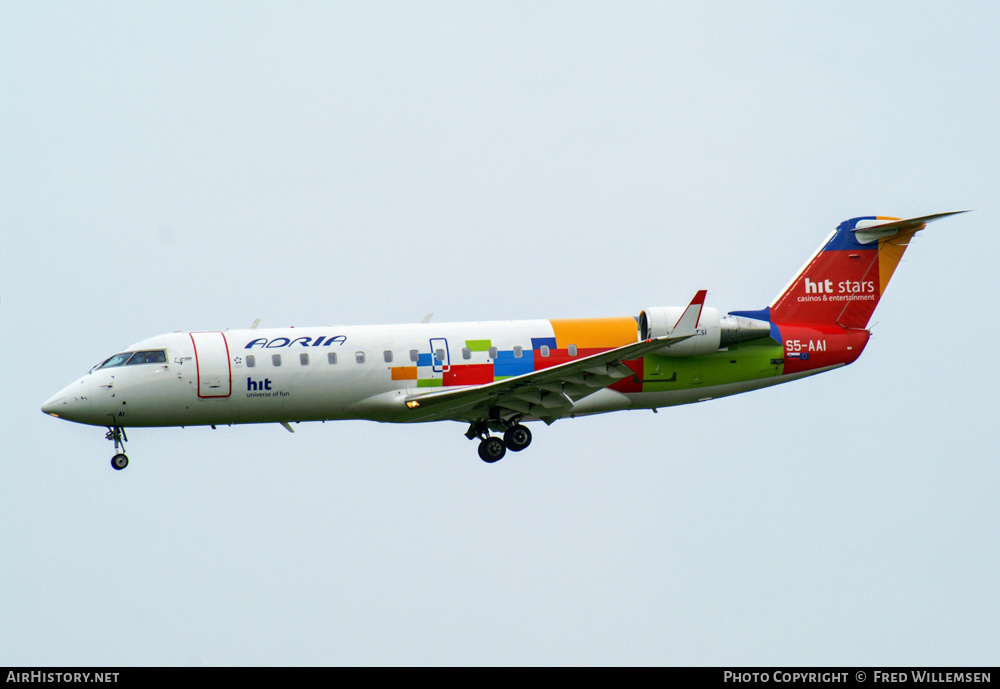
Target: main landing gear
[[491, 448], [117, 435]]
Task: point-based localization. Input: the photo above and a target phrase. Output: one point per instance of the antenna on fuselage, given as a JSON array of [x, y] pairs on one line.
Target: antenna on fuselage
[[255, 324], [427, 318]]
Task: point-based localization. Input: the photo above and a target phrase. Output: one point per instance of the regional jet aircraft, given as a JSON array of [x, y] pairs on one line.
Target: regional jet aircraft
[[497, 376]]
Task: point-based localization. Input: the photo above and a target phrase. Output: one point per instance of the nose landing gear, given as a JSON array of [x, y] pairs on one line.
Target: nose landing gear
[[117, 435]]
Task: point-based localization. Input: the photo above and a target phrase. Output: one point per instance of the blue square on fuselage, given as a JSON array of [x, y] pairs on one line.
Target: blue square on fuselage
[[506, 364]]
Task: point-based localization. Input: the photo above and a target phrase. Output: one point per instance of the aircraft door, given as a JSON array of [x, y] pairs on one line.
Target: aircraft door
[[440, 358], [211, 354]]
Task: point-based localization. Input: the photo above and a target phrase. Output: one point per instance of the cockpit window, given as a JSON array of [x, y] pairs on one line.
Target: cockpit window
[[151, 357], [116, 360], [155, 356]]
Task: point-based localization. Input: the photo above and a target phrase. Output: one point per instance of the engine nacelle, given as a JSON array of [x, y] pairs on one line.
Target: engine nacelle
[[736, 329], [714, 332], [660, 321]]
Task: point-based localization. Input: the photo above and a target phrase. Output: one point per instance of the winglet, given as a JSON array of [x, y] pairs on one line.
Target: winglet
[[691, 316]]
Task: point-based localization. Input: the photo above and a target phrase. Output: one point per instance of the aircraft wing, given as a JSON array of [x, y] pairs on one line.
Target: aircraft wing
[[549, 393]]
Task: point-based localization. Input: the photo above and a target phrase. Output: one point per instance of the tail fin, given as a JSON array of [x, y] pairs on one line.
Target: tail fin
[[844, 280]]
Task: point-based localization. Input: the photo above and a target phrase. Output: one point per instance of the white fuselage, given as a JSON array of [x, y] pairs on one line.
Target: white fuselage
[[327, 373]]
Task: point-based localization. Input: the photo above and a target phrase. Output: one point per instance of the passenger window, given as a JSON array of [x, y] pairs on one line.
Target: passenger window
[[388, 356], [359, 357], [466, 353], [304, 359], [518, 352], [572, 350], [545, 350], [276, 359], [331, 357], [493, 352], [251, 361], [414, 356], [439, 353]]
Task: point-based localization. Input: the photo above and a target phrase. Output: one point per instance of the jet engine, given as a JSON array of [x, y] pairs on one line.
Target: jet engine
[[712, 332]]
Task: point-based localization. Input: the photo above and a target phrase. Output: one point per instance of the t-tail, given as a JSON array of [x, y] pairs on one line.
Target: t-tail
[[822, 315]]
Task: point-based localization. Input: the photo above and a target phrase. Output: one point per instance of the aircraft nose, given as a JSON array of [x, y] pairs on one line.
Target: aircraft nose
[[54, 404], [68, 402]]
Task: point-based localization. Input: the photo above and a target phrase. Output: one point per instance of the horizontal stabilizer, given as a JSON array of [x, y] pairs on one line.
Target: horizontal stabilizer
[[866, 234]]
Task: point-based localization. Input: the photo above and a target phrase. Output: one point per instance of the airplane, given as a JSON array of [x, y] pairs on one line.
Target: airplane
[[498, 376]]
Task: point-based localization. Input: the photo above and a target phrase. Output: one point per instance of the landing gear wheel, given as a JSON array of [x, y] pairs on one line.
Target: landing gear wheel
[[516, 438], [492, 450], [116, 434]]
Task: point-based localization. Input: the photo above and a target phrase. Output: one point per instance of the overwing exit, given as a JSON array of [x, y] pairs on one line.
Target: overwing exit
[[498, 376]]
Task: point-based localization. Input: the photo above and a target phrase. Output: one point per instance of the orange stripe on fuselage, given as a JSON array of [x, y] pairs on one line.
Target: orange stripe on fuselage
[[404, 372], [594, 333]]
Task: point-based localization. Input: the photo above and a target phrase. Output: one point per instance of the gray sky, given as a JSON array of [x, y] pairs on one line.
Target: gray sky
[[194, 166]]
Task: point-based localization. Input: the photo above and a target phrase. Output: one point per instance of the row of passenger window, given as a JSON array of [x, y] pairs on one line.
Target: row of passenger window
[[331, 358], [359, 357]]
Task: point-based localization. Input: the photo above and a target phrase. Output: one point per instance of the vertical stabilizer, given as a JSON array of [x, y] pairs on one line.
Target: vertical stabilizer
[[843, 282]]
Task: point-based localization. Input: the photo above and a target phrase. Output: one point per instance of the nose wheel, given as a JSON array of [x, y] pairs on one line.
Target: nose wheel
[[118, 437]]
